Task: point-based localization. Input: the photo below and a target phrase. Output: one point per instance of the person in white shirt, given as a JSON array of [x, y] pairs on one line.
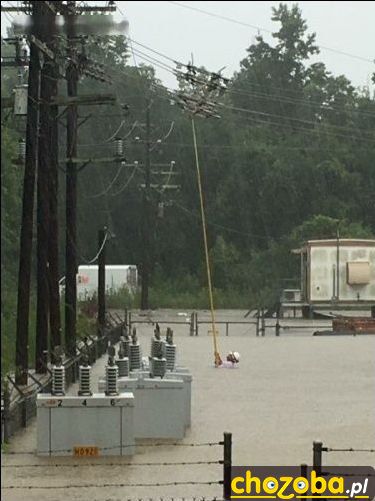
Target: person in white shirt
[[232, 360]]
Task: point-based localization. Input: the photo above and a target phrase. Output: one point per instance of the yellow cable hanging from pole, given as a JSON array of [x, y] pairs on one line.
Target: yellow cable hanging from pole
[[216, 352]]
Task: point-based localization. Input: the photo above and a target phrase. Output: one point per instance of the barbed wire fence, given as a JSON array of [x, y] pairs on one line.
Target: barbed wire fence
[[224, 482], [319, 448], [225, 462]]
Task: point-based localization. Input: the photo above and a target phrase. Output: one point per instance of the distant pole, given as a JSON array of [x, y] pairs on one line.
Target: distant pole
[[102, 236], [26, 237], [277, 326], [43, 222], [71, 188], [338, 262], [146, 220], [263, 324]]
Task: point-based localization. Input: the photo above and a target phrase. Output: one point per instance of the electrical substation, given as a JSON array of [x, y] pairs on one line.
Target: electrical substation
[[137, 398]]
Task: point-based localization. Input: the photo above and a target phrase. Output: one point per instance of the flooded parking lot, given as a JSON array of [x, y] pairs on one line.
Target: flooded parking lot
[[286, 392]]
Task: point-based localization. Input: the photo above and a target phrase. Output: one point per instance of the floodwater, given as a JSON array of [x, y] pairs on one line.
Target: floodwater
[[287, 392]]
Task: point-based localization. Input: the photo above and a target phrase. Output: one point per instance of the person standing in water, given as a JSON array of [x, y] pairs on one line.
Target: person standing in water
[[232, 360]]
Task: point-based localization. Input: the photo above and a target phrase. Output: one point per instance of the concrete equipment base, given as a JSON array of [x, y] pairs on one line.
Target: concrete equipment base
[[160, 405], [97, 425]]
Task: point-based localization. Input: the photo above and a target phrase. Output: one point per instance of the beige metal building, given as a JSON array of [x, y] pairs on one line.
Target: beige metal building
[[337, 274]]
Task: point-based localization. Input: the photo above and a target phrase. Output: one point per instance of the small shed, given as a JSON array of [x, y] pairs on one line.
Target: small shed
[[337, 273]]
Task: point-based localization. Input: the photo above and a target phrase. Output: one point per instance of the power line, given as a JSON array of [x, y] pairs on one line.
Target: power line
[[308, 122], [104, 192], [179, 63], [258, 28], [287, 117], [232, 230]]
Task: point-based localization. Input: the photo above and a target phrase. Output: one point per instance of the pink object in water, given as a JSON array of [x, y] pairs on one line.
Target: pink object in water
[[228, 365]]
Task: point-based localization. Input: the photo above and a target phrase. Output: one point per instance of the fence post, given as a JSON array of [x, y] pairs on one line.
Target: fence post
[[317, 457], [23, 405], [304, 470], [192, 324], [227, 328], [6, 398], [263, 325], [257, 326], [196, 324], [227, 466], [277, 326]]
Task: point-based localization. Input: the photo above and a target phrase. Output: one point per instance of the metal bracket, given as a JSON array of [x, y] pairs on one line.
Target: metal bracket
[[42, 46]]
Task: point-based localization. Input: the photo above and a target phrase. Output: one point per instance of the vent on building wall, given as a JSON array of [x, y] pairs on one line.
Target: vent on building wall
[[358, 272]]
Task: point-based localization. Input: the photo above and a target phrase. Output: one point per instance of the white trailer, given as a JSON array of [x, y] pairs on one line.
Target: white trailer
[[117, 277]]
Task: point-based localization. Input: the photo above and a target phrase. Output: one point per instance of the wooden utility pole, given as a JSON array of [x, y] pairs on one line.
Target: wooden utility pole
[[26, 237], [71, 187], [43, 181], [146, 216], [149, 207], [102, 238], [72, 76], [53, 234]]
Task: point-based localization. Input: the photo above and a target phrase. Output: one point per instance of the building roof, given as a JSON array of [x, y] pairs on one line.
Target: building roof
[[343, 242]]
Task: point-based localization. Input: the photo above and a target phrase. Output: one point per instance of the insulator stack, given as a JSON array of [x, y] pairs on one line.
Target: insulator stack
[[58, 380], [158, 367], [123, 366], [119, 147], [111, 373], [157, 348], [170, 355], [125, 343], [135, 358], [84, 380], [22, 149]]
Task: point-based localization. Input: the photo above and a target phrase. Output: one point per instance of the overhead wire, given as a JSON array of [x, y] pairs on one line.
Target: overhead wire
[[306, 102], [128, 181], [258, 28], [104, 192], [324, 125]]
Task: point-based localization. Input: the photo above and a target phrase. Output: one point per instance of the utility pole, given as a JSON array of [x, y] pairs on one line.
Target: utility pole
[[71, 187], [102, 238], [41, 149], [146, 216], [53, 234], [148, 208], [72, 76], [43, 197], [26, 237]]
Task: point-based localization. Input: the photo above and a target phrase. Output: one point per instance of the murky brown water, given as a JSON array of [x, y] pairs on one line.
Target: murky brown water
[[287, 392]]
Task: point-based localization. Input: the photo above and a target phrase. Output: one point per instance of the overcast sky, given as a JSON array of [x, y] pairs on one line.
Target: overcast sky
[[178, 32]]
